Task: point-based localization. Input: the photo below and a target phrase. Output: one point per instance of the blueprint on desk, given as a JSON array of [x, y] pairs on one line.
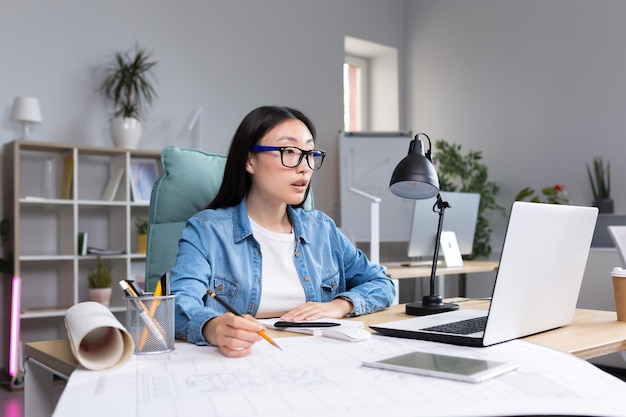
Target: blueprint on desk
[[315, 376]]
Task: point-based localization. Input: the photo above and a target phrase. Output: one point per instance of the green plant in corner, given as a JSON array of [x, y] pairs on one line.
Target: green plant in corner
[[467, 173], [600, 179], [99, 277], [142, 226]]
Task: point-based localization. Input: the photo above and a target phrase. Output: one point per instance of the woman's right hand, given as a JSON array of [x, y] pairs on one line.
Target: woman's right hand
[[233, 335]]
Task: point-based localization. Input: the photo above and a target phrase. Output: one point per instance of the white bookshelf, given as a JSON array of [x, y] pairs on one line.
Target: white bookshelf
[[45, 226]]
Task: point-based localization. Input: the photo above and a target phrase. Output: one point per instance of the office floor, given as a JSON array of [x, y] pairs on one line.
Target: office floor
[[12, 402]]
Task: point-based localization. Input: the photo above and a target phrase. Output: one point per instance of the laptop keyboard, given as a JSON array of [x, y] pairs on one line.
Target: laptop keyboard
[[468, 326]]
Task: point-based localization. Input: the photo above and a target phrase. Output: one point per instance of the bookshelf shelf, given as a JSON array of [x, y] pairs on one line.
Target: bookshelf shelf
[[46, 216]]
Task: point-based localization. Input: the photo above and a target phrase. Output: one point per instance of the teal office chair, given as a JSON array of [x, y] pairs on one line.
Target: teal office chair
[[190, 181]]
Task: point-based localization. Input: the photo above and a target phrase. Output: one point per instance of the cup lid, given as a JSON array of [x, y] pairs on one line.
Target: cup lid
[[618, 272]]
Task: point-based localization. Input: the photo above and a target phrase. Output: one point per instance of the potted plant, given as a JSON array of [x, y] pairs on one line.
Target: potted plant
[[129, 84], [99, 281], [467, 173], [555, 194], [142, 234], [600, 180]]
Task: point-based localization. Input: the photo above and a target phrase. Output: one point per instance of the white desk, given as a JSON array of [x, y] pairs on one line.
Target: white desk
[[316, 376]]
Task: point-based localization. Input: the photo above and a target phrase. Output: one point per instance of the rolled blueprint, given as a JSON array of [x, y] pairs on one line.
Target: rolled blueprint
[[98, 340]]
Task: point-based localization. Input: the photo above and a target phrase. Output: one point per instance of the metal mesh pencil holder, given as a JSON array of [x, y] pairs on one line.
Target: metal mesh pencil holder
[[150, 321]]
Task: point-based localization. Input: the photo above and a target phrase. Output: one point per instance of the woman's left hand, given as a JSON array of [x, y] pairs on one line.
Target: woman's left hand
[[334, 309]]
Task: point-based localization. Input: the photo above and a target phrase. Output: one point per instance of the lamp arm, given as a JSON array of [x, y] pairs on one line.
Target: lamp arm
[[441, 206]]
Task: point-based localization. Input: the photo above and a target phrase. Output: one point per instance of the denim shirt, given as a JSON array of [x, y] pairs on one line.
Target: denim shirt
[[217, 251]]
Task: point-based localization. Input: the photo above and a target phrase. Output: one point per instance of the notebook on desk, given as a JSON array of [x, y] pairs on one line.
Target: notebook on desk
[[541, 269]]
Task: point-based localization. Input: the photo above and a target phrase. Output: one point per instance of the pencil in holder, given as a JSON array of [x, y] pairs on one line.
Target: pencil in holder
[[150, 321]]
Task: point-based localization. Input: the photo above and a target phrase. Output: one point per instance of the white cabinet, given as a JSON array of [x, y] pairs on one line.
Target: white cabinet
[[46, 214]]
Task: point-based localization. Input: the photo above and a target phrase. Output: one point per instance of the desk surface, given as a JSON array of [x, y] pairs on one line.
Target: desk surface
[[592, 333], [397, 271]]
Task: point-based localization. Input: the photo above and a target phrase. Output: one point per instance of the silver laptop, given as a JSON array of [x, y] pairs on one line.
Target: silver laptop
[[618, 235], [536, 288]]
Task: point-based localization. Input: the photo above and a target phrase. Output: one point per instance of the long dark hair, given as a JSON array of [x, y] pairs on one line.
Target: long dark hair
[[253, 127]]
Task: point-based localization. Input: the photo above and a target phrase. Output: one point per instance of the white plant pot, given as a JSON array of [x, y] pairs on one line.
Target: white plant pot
[[125, 132], [100, 295]]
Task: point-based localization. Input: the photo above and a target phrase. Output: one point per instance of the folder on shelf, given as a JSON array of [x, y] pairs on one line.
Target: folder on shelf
[[114, 182], [67, 177], [82, 243], [99, 251]]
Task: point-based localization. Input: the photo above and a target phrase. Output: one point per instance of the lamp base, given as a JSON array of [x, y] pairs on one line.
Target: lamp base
[[431, 304]]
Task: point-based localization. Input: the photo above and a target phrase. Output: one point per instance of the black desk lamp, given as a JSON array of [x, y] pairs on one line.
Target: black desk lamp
[[415, 178]]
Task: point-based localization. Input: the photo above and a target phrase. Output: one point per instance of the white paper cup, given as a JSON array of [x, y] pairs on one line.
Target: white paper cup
[[619, 290]]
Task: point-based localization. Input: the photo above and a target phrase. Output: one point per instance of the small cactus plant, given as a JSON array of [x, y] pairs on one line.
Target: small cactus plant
[[99, 277]]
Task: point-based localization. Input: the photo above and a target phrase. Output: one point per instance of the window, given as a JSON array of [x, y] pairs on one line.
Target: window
[[371, 87], [355, 95]]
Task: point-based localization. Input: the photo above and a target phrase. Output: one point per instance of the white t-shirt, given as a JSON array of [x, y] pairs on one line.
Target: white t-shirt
[[281, 289]]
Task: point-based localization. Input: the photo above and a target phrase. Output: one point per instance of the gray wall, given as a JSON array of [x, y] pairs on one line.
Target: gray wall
[[538, 85]]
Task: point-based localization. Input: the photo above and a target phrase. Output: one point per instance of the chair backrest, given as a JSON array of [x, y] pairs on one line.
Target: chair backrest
[[191, 179]]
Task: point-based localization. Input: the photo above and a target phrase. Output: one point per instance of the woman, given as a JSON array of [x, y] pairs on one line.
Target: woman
[[260, 251]]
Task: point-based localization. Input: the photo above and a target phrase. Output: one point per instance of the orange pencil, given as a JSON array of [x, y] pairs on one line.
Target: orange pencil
[[235, 312]]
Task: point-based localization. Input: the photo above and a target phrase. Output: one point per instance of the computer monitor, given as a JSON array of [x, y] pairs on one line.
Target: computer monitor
[[459, 218]]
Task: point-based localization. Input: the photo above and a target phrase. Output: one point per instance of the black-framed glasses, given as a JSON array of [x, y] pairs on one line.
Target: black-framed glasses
[[291, 156]]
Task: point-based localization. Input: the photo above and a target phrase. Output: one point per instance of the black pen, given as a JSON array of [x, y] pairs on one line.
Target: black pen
[[283, 324], [235, 312]]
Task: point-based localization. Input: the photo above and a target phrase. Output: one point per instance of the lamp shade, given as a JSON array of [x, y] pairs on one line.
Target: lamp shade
[[415, 176], [26, 110]]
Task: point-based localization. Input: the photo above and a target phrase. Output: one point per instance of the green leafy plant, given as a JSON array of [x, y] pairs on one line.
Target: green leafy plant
[[555, 194], [600, 179], [467, 173], [142, 226], [129, 82], [99, 277]]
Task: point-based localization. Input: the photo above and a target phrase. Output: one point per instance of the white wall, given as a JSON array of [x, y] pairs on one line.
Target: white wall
[[226, 56]]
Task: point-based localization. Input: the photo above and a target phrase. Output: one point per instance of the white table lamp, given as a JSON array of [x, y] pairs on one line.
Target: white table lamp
[[26, 110], [375, 233]]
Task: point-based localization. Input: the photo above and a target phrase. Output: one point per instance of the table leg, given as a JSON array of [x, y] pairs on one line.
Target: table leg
[[396, 283], [38, 389], [462, 285]]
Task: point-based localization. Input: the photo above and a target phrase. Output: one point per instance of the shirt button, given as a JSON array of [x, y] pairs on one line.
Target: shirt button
[[334, 285], [220, 287], [307, 278], [297, 254]]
